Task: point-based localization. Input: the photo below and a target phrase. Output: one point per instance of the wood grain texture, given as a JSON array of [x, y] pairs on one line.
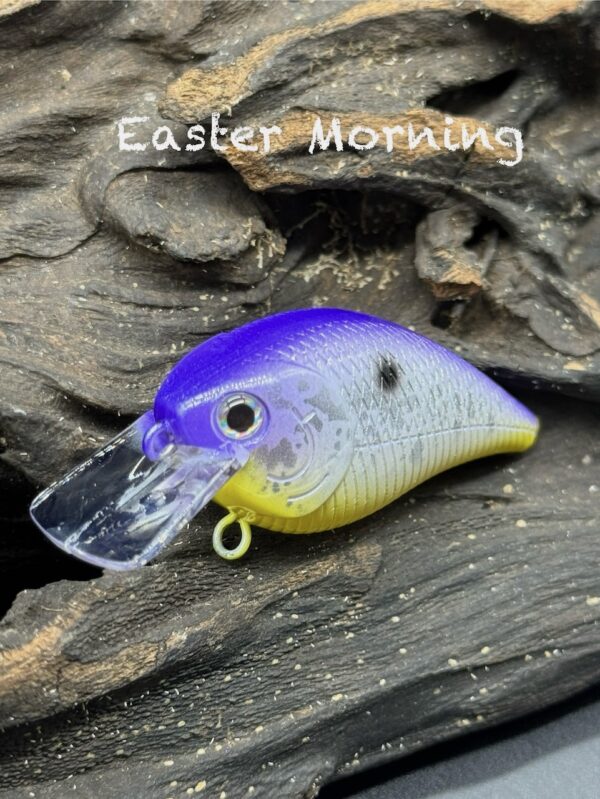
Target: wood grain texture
[[467, 603], [473, 600]]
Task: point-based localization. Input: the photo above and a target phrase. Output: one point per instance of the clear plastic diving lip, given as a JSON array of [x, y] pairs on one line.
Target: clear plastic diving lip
[[119, 509]]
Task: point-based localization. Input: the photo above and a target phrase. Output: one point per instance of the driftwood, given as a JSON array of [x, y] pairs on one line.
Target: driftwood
[[473, 600]]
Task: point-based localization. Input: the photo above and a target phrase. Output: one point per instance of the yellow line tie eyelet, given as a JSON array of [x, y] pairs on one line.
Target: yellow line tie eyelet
[[245, 540]]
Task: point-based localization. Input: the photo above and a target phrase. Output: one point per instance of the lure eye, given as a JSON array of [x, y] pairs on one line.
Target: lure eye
[[240, 416]]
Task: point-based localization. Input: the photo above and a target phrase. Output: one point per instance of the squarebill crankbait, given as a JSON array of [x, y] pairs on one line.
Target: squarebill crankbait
[[300, 422]]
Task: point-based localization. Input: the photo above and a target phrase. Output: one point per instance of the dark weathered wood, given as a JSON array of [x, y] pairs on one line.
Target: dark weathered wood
[[484, 71], [209, 219], [473, 600]]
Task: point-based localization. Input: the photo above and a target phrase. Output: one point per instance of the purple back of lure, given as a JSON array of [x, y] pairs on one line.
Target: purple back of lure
[[300, 422]]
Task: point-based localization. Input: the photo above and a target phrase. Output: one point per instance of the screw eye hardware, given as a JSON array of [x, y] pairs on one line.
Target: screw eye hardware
[[219, 532]]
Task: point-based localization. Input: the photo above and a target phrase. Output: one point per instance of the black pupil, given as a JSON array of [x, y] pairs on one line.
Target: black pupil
[[240, 418]]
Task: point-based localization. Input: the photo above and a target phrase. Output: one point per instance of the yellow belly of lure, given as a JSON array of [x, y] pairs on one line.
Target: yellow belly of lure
[[364, 488]]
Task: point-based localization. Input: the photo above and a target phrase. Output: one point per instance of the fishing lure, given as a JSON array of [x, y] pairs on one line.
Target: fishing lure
[[300, 422]]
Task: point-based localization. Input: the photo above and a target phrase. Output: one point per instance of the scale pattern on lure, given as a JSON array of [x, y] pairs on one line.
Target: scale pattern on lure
[[300, 422]]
